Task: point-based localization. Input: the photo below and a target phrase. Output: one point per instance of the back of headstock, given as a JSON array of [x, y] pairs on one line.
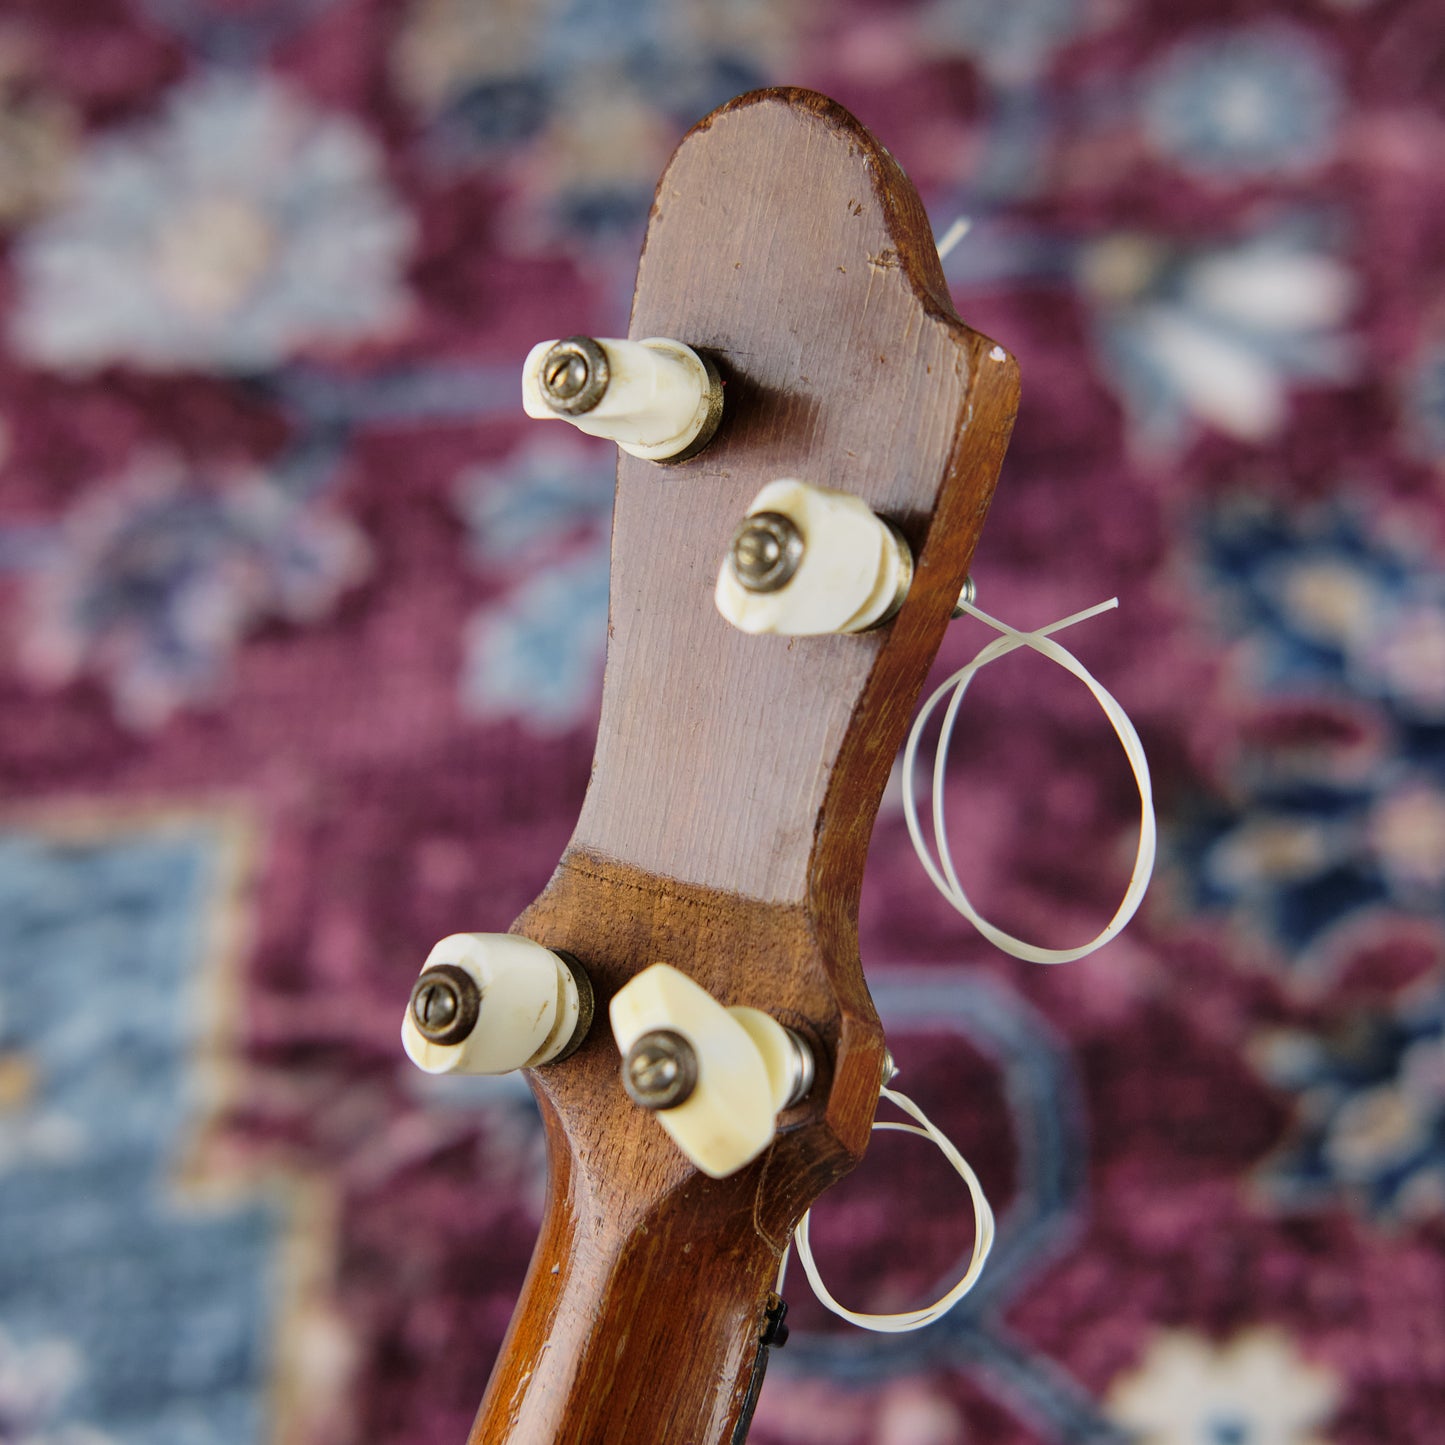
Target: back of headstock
[[737, 776]]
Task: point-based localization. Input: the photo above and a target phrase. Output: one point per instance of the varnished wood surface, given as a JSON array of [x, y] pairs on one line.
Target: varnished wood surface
[[788, 244], [737, 778]]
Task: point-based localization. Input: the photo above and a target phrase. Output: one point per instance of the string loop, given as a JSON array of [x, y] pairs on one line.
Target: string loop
[[945, 879], [983, 1234], [941, 870]]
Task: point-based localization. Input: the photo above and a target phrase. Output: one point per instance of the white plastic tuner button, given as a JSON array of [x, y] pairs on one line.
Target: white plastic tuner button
[[807, 561], [488, 1003], [716, 1077], [657, 399]]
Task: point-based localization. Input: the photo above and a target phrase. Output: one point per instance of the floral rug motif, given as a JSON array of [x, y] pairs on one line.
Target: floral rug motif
[[301, 634]]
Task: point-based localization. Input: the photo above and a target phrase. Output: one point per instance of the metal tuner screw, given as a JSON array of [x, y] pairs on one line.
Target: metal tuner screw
[[574, 375], [445, 1003], [660, 1070], [766, 551], [801, 1069]]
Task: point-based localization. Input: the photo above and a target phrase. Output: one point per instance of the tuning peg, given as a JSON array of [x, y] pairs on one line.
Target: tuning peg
[[716, 1077], [488, 1003], [657, 399], [806, 561]]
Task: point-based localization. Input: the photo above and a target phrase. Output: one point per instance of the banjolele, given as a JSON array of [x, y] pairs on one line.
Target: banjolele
[[737, 777]]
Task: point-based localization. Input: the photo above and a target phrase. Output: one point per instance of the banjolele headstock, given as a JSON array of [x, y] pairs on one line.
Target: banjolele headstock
[[737, 777]]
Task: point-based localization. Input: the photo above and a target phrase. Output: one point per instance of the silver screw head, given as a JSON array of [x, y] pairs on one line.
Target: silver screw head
[[566, 376], [966, 596], [445, 1004], [660, 1070], [574, 375], [766, 551]]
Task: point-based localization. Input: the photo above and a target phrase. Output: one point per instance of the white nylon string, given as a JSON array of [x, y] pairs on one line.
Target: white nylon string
[[983, 1233], [953, 235], [945, 878], [941, 869]]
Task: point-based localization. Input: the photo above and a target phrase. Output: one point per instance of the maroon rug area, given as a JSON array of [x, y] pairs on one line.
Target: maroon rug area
[[301, 633]]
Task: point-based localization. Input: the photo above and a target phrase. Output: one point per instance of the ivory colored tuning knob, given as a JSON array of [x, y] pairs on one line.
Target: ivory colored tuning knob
[[657, 399], [807, 561], [716, 1077], [488, 1003]]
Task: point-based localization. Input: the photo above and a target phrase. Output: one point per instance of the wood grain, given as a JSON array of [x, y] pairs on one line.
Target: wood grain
[[737, 778]]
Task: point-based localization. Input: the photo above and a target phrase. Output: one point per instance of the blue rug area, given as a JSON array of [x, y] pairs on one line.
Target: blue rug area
[[122, 1302], [277, 543]]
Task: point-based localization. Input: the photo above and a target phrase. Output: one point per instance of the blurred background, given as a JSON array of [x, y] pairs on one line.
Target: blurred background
[[301, 636]]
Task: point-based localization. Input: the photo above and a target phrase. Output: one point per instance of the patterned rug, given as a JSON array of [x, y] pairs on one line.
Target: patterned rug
[[301, 631]]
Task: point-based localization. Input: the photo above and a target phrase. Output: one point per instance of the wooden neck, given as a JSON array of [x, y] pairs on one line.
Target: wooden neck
[[640, 1316], [737, 778]]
